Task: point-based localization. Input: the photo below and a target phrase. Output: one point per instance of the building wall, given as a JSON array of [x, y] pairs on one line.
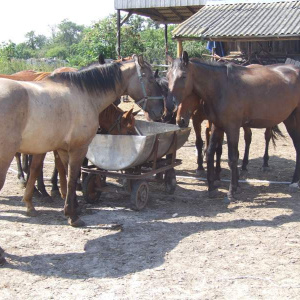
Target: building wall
[[279, 49]]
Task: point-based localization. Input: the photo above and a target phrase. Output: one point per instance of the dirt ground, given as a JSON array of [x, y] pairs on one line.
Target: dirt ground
[[184, 246]]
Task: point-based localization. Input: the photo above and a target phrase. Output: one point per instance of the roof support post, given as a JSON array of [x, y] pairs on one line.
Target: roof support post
[[119, 32], [166, 39], [179, 48]]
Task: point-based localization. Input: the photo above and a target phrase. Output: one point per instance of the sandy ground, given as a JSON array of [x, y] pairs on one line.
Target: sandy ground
[[184, 246]]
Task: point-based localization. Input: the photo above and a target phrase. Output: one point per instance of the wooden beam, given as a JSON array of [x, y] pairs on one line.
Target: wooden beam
[[126, 18], [179, 48], [191, 9], [176, 13], [158, 14], [119, 32]]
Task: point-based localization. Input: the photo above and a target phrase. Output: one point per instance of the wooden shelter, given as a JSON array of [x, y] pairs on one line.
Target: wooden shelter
[[251, 31], [161, 11]]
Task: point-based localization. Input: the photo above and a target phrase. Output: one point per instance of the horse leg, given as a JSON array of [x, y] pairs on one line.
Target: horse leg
[[268, 136], [61, 170], [233, 156], [197, 121], [292, 124], [41, 184], [21, 176], [219, 150], [216, 136], [25, 162], [76, 158], [248, 139], [86, 162], [54, 182], [35, 169], [207, 136]]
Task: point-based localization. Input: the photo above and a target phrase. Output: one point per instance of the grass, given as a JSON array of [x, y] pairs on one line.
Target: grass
[[16, 65]]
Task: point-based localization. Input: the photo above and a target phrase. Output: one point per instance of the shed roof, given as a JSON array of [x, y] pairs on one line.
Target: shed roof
[[246, 21], [162, 11]]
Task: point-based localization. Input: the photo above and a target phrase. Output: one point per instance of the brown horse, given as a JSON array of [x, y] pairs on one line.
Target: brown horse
[[27, 75], [112, 120], [110, 117], [62, 113], [193, 108], [237, 96]]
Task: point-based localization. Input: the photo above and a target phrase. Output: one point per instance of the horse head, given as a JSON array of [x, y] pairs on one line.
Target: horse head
[[180, 84], [143, 87]]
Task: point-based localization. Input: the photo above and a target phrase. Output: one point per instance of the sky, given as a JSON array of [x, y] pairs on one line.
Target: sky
[[17, 17]]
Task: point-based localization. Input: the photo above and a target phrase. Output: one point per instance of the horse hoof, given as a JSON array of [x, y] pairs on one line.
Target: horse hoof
[[294, 187], [31, 212], [226, 200], [77, 223], [200, 172], [213, 193]]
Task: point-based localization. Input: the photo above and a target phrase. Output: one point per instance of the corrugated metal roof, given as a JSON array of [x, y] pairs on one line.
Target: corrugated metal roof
[[162, 11], [248, 21], [130, 4]]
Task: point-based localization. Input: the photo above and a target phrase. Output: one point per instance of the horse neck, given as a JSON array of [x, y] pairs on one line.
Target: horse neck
[[109, 116], [207, 80]]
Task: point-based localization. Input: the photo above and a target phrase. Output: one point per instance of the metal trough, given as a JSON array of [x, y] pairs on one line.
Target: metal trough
[[119, 152]]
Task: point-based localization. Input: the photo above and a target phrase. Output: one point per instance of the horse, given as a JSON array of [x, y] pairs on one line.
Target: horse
[[111, 117], [26, 75], [236, 96], [112, 120], [61, 113], [193, 108]]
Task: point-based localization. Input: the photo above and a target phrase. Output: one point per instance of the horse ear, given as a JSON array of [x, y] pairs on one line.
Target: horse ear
[[128, 114], [156, 74], [135, 113], [185, 57], [101, 59], [141, 60], [169, 59]]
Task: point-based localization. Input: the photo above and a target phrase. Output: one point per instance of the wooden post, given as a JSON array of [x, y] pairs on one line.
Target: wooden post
[[179, 48], [119, 32], [166, 39]]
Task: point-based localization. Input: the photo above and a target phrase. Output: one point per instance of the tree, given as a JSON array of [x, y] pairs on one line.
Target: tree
[[68, 33], [35, 41]]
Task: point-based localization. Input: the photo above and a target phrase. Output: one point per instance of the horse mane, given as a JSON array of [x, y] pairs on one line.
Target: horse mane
[[208, 63], [102, 78]]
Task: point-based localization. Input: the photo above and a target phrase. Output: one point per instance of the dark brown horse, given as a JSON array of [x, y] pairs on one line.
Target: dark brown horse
[[193, 108], [71, 121], [237, 96]]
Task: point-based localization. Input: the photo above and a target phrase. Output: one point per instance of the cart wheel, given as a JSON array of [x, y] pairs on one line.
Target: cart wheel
[[139, 194], [170, 181], [89, 186]]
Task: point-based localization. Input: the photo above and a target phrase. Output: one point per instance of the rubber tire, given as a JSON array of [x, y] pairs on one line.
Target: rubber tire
[[170, 181], [89, 186], [139, 194]]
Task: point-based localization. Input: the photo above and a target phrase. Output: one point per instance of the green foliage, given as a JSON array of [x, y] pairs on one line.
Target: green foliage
[[57, 51], [81, 45]]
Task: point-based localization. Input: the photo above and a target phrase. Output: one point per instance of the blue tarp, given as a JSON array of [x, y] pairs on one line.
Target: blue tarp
[[219, 47]]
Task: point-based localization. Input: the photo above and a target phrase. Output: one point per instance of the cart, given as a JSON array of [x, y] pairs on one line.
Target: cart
[[135, 160]]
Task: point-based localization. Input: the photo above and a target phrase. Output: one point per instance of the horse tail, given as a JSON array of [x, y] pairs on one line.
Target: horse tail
[[275, 134]]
